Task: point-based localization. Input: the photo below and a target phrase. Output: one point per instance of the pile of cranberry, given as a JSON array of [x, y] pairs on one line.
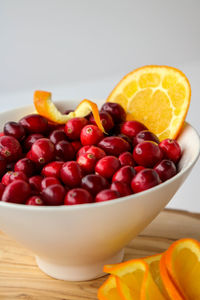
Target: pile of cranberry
[[42, 163]]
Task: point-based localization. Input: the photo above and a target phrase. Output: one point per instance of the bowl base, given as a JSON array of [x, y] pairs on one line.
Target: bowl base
[[77, 273]]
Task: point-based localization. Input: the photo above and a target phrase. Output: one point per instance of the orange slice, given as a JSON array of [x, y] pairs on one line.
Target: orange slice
[[182, 260], [46, 108], [158, 96], [108, 290]]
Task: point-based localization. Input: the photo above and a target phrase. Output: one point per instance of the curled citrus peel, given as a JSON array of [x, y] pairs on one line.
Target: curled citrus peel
[[46, 108]]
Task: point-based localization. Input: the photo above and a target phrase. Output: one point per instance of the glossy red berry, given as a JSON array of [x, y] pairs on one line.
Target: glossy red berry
[[145, 135], [124, 174], [10, 176], [87, 162], [116, 111], [126, 138], [145, 180], [106, 195], [106, 120], [171, 149], [94, 183], [91, 135], [132, 128], [35, 183], [26, 166], [48, 181], [71, 174], [54, 195], [17, 191], [52, 169], [114, 145], [2, 165], [126, 159], [31, 139], [76, 145], [122, 188], [35, 200], [2, 188], [42, 151], [73, 128], [82, 150], [14, 129], [34, 124], [138, 169], [96, 151], [165, 169], [147, 154], [64, 151], [107, 166], [10, 148], [78, 196], [57, 136]]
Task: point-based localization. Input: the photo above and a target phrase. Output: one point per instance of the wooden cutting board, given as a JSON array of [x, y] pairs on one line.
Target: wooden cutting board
[[20, 278]]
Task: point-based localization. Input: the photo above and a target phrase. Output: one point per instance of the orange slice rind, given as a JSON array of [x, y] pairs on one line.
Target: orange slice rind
[[158, 96], [46, 108]]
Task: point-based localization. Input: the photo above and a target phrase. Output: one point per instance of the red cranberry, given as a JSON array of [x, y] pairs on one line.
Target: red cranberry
[[122, 188], [2, 188], [106, 195], [124, 174], [138, 169], [54, 195], [2, 165], [71, 174], [42, 151], [126, 159], [126, 138], [78, 196], [48, 181], [82, 150], [17, 191], [10, 176], [31, 139], [57, 136], [106, 120], [10, 148], [91, 135], [34, 124], [74, 126], [35, 183], [64, 151], [107, 166], [94, 183], [26, 165], [165, 169], [87, 162], [145, 135], [14, 129], [52, 169], [76, 145], [132, 128], [147, 154], [145, 180], [35, 200], [52, 126], [96, 151], [116, 111], [171, 149], [114, 145]]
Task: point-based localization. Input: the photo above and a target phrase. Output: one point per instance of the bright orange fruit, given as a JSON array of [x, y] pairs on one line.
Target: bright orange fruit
[[157, 96], [108, 290]]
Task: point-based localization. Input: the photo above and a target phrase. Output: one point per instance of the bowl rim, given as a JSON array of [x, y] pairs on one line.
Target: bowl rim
[[94, 205]]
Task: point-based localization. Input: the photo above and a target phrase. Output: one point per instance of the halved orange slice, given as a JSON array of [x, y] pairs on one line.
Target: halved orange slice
[[182, 261], [157, 96], [108, 290], [46, 108]]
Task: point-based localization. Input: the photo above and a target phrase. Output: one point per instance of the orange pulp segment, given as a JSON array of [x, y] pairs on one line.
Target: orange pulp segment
[[108, 290], [157, 96]]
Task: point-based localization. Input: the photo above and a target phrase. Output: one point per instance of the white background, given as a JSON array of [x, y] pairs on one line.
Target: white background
[[82, 48]]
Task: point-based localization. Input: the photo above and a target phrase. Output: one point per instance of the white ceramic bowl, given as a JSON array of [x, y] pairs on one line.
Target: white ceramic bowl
[[74, 242]]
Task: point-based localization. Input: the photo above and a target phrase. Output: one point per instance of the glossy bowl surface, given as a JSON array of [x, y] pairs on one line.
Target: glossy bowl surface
[[74, 242]]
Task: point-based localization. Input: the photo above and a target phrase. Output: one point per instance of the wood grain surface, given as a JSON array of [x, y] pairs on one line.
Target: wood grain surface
[[20, 278]]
